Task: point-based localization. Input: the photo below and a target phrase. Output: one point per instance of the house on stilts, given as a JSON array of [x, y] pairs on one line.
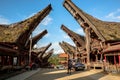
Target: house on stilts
[[102, 39], [15, 41]]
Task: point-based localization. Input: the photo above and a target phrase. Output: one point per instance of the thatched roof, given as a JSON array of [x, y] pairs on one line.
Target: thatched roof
[[47, 55], [44, 60], [71, 47], [20, 32], [109, 30], [35, 39], [106, 31], [39, 36], [39, 50], [79, 40], [42, 50], [67, 48]]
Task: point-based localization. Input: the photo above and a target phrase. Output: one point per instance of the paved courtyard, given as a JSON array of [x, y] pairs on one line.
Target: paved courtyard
[[53, 74]]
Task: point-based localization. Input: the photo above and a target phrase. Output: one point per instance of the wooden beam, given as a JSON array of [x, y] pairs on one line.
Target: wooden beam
[[112, 54]]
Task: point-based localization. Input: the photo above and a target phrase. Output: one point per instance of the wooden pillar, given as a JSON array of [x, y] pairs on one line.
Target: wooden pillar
[[19, 60], [73, 56], [105, 58], [3, 60], [87, 31], [119, 59], [115, 63], [114, 59], [104, 63], [9, 60], [96, 57], [6, 60], [101, 57]]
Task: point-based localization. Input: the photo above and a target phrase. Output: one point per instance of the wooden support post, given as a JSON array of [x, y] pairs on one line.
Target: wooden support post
[[105, 58], [115, 62], [3, 60], [87, 31], [114, 59], [18, 60], [104, 63], [119, 59], [96, 58], [101, 57]]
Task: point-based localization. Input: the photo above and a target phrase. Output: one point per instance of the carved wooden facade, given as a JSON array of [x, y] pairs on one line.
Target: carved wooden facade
[[79, 42], [100, 35]]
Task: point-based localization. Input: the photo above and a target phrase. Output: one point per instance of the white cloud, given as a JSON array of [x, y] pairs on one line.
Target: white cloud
[[80, 31], [4, 20], [58, 51], [57, 48], [47, 35], [66, 37], [47, 20], [114, 16], [41, 44], [37, 30]]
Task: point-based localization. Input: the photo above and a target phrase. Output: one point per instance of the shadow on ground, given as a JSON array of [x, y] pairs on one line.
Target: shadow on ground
[[52, 74]]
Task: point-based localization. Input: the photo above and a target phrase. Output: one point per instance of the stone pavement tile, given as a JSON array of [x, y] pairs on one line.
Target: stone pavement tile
[[24, 75]]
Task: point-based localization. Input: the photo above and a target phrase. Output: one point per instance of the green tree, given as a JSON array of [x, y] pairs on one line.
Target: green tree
[[54, 59]]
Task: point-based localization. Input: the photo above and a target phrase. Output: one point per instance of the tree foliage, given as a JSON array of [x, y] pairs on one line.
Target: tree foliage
[[54, 59]]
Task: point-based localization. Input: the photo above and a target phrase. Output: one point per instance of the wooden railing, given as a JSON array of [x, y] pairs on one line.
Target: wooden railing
[[96, 65], [112, 68]]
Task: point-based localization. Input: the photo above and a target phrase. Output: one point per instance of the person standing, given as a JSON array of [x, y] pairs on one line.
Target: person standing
[[69, 66]]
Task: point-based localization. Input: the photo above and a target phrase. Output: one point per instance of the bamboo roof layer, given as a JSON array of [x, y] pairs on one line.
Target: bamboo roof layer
[[46, 56], [106, 31], [109, 30], [36, 38], [15, 32], [67, 48], [71, 47], [79, 40]]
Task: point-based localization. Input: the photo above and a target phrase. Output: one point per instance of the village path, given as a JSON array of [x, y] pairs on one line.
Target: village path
[[52, 74]]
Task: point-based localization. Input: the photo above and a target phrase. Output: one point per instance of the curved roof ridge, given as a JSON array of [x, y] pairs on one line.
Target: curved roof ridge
[[106, 31]]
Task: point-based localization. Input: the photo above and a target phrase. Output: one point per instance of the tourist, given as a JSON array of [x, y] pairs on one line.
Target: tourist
[[69, 66]]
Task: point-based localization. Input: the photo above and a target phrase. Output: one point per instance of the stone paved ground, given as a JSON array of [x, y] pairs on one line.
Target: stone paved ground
[[24, 75], [53, 74], [47, 74]]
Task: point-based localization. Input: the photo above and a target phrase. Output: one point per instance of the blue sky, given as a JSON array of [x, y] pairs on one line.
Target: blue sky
[[12, 11]]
